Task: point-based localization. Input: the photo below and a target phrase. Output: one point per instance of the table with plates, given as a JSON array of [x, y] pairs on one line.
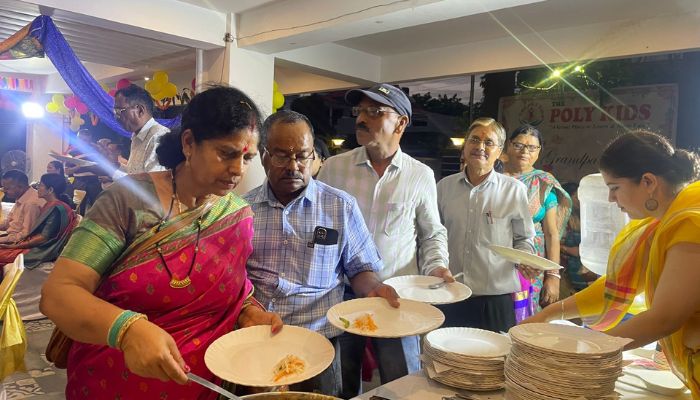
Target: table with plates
[[418, 386], [531, 362]]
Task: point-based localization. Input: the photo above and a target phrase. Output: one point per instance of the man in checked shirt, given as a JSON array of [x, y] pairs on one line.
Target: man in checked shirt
[[308, 238]]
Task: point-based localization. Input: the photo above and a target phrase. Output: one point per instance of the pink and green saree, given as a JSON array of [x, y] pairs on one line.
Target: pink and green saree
[[195, 315]]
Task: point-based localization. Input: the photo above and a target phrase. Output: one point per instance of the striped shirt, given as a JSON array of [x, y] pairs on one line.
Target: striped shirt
[[496, 212], [400, 209], [295, 278]]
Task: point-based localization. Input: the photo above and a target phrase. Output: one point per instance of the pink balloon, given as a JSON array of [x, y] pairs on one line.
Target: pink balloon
[[81, 108], [70, 102], [112, 92], [123, 83]]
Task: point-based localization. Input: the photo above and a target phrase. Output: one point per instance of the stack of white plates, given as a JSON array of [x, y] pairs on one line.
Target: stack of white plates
[[551, 362], [466, 358]]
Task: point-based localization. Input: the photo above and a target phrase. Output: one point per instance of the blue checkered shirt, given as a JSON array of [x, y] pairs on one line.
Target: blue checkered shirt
[[293, 279]]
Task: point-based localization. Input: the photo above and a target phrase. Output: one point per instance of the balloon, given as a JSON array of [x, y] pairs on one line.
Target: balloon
[[123, 83], [170, 90], [58, 98], [159, 96], [275, 88], [81, 108], [160, 77], [63, 110], [52, 107], [104, 87], [70, 102], [113, 92], [277, 100], [153, 87]]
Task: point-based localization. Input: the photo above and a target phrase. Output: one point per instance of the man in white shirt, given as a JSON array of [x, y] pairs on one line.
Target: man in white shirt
[[133, 108], [24, 213], [481, 207], [398, 199]]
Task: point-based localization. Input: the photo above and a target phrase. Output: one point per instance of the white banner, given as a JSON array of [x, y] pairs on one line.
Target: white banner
[[576, 129]]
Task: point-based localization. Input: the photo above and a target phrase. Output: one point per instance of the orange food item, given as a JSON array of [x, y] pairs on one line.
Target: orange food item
[[289, 365], [365, 323]]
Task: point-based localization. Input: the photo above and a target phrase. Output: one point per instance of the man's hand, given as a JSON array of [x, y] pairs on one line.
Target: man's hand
[[386, 292], [443, 273]]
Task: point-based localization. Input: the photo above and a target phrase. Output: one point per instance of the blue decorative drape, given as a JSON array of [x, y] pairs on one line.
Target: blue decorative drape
[[77, 77]]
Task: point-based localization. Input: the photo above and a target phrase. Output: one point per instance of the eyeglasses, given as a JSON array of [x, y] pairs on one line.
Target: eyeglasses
[[279, 160], [373, 112], [488, 143], [118, 110], [531, 148]]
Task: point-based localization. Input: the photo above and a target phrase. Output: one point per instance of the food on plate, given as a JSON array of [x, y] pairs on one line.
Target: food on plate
[[289, 365], [365, 323], [346, 323]]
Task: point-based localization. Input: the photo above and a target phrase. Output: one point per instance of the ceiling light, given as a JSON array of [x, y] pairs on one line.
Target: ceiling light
[[556, 74], [32, 110], [337, 142], [457, 141], [146, 78]]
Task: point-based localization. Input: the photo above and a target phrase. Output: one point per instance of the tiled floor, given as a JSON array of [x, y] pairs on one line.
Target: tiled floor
[[42, 380]]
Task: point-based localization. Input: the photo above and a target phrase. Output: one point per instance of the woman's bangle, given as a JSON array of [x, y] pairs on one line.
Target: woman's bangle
[[120, 326], [554, 274]]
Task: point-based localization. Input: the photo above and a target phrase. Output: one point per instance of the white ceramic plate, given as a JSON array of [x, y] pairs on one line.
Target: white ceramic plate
[[72, 160], [469, 342], [522, 257], [411, 318], [567, 339], [248, 356], [415, 287]]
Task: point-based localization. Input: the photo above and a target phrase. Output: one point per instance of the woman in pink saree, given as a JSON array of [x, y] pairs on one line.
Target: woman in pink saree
[[164, 254]]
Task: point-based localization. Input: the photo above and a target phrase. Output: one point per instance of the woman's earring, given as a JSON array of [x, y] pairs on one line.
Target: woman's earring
[[651, 204]]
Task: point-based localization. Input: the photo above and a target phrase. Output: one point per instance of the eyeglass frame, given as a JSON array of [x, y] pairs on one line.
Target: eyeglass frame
[[478, 142], [531, 148], [300, 162], [120, 110], [376, 112]]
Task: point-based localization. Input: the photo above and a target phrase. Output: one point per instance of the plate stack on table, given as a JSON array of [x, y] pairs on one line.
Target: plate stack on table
[[551, 362], [466, 358]]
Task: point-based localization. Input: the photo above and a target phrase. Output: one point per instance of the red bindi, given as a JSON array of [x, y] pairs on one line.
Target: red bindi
[[245, 149]]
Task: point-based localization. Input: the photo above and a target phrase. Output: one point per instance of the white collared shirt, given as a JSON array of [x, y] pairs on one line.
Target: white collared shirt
[[142, 157], [399, 208], [492, 212]]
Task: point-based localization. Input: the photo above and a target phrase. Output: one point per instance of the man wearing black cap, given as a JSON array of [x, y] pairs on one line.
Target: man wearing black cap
[[398, 198]]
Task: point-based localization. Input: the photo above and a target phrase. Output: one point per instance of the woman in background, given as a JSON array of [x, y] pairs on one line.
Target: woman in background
[[550, 207]]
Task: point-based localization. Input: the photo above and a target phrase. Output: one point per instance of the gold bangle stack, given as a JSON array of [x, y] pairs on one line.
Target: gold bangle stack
[[126, 325]]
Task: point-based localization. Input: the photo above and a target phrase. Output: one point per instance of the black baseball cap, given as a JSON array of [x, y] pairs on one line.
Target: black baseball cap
[[386, 94]]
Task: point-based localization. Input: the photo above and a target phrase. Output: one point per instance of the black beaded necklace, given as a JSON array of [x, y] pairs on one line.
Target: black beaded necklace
[[174, 281]]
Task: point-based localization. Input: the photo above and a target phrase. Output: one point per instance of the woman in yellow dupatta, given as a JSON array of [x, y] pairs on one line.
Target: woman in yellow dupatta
[[656, 254]]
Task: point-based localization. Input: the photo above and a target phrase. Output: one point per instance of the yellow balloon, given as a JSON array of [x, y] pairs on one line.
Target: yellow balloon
[[170, 90], [159, 96], [63, 110], [104, 87], [52, 107], [277, 100], [153, 87], [275, 88], [58, 98], [160, 77]]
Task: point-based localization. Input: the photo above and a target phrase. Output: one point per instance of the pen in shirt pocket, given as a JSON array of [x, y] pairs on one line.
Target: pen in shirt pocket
[[489, 217]]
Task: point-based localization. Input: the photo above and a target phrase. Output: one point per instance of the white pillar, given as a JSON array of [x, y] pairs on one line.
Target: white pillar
[[43, 135], [250, 72]]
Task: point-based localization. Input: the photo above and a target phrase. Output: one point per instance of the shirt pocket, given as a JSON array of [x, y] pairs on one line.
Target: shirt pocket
[[321, 264], [498, 231], [395, 215]]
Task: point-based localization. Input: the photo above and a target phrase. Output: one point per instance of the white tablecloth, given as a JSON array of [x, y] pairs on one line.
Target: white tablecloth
[[419, 387]]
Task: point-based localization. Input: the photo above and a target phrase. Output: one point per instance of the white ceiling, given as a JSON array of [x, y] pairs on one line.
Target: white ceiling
[[538, 17], [135, 56], [230, 6]]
